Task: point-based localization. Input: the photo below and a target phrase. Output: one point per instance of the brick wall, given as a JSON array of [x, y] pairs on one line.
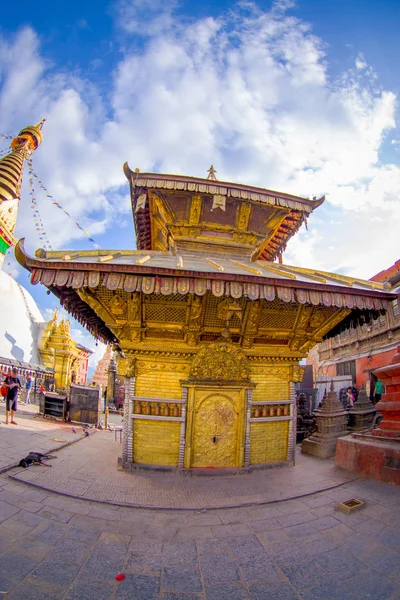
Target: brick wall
[[157, 382], [373, 362], [269, 442], [156, 442], [269, 386]]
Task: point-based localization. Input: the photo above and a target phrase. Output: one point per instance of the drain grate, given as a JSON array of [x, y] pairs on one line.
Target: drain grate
[[350, 505]]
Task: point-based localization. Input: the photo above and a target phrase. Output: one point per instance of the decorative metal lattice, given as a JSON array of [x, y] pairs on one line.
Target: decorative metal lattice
[[277, 319], [104, 295], [211, 318], [160, 313], [160, 299]]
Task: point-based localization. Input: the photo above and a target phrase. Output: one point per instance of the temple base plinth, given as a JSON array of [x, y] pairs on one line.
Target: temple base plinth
[[370, 457]]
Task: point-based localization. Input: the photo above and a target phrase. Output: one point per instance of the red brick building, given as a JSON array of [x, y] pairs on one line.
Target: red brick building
[[360, 350], [82, 367]]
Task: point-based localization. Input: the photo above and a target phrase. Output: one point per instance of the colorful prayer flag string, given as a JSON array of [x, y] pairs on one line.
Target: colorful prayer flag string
[[7, 260], [37, 219], [58, 205], [7, 150]]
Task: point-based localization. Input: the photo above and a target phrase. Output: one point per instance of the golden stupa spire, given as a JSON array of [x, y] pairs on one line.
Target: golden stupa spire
[[211, 173], [12, 165], [11, 170]]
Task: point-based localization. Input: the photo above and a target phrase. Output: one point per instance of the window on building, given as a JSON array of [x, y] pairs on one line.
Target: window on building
[[395, 305], [347, 368]]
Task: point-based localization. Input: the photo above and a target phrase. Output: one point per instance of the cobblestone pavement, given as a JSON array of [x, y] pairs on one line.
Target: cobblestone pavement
[[92, 474], [53, 547], [58, 547], [33, 433]]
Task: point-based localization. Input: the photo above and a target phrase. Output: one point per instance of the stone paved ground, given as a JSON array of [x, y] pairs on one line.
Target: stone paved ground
[[32, 433], [58, 547], [92, 474], [53, 547]]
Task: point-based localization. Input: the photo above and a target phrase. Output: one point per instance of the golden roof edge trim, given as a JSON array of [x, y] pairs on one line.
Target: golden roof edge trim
[[137, 178]]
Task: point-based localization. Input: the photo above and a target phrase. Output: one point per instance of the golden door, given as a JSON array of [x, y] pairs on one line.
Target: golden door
[[216, 429]]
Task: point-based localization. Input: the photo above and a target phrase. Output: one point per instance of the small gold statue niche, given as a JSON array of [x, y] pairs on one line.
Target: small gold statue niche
[[228, 308], [225, 311], [117, 305]]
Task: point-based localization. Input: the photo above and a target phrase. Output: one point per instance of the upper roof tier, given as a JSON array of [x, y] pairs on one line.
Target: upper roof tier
[[173, 212]]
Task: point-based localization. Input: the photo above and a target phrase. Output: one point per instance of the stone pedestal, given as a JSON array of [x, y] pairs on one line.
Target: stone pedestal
[[362, 413], [331, 422], [369, 456], [377, 454]]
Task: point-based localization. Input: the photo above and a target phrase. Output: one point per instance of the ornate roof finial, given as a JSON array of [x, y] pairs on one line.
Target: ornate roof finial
[[11, 169], [211, 173], [12, 165]]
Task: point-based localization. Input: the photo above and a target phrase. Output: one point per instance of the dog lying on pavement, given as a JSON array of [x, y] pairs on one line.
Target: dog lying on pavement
[[35, 458]]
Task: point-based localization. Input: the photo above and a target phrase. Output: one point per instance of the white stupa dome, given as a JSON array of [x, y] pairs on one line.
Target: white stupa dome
[[21, 322]]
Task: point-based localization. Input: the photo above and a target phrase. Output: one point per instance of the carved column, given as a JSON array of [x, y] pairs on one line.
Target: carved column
[[292, 424], [127, 445], [183, 430], [248, 416]]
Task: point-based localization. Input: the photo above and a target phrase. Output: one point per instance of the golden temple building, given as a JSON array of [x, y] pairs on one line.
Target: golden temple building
[[60, 352], [210, 329]]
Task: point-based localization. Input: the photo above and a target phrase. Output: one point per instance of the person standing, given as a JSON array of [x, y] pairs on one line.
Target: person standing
[[350, 397], [378, 391], [13, 384], [28, 388]]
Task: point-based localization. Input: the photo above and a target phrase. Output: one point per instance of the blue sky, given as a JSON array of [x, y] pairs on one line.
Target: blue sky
[[296, 96]]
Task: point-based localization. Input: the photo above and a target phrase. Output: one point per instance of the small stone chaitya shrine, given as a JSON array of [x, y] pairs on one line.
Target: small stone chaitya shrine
[[211, 330]]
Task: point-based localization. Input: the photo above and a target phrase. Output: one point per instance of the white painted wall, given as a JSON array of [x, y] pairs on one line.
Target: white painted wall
[[324, 384], [20, 321]]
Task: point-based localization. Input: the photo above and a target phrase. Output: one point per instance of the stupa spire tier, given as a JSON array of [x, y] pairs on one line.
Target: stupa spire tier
[[212, 173], [11, 172]]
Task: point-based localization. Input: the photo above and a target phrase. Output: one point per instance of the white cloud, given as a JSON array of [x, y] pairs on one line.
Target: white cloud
[[248, 91], [361, 62]]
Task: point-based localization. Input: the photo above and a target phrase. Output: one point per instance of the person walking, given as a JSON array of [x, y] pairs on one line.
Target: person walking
[[13, 384], [378, 391]]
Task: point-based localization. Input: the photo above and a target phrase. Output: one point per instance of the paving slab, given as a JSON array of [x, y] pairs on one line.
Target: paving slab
[[33, 433], [250, 552], [93, 475], [55, 547]]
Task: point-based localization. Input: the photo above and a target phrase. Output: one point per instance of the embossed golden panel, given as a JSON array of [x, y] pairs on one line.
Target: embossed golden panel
[[215, 429]]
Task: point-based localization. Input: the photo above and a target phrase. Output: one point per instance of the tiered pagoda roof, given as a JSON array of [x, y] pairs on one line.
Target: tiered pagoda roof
[[189, 212], [202, 236]]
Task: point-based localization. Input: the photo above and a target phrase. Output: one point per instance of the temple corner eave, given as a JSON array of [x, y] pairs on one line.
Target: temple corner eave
[[20, 254]]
